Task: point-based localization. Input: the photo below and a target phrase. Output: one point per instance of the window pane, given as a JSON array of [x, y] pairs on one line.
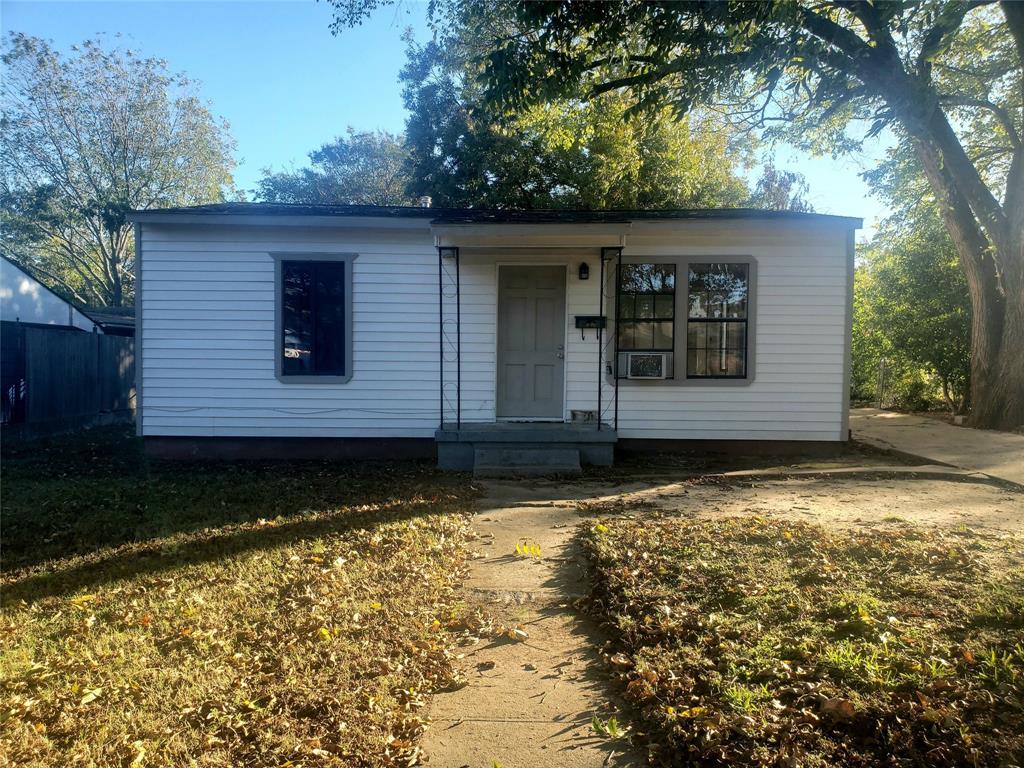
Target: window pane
[[716, 349], [697, 335], [645, 307], [643, 336], [664, 306], [313, 318], [647, 278], [626, 303], [330, 318], [736, 335], [663, 335], [626, 335], [297, 317], [718, 290], [696, 362], [698, 303]]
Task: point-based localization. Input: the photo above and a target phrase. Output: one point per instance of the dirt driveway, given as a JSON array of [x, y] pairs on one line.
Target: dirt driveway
[[843, 501], [998, 454]]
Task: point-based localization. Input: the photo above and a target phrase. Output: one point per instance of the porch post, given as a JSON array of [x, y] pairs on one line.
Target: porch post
[[608, 253], [458, 343], [450, 252], [615, 366], [600, 337], [440, 340]]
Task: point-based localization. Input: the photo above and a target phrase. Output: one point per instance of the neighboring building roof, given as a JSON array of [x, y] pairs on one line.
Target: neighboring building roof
[[122, 318], [478, 215], [24, 299]]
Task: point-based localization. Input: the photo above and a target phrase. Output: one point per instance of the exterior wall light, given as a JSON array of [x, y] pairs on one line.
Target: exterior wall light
[[584, 271]]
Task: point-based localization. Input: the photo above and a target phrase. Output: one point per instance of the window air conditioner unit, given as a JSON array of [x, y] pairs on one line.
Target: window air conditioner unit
[[645, 365]]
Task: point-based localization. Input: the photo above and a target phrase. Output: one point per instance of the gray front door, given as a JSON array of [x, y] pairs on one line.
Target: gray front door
[[531, 342]]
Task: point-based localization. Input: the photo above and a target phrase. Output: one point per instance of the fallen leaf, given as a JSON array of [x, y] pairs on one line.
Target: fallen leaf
[[839, 709], [90, 695]]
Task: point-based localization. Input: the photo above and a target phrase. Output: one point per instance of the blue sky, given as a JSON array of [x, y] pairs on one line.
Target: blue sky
[[286, 86]]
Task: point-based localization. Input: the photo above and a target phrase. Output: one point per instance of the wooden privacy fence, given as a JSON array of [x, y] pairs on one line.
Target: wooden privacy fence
[[72, 379]]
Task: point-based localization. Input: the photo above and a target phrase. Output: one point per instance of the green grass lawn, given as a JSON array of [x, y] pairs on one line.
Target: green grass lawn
[[169, 614], [748, 641]]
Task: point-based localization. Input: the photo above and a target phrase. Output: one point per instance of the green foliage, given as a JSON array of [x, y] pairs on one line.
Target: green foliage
[[804, 72], [918, 308], [87, 138], [362, 168], [608, 729], [781, 190], [570, 153], [911, 302]]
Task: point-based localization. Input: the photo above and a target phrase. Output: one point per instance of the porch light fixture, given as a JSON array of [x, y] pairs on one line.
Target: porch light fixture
[[584, 271], [448, 252]]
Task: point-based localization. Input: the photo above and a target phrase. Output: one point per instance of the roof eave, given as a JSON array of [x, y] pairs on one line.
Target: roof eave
[[276, 220], [184, 217]]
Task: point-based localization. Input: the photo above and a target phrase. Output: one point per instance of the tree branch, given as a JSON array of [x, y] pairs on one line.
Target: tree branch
[[935, 39], [1002, 114]]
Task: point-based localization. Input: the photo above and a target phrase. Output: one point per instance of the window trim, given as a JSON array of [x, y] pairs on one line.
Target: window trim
[[720, 321], [278, 346], [623, 353], [682, 313]]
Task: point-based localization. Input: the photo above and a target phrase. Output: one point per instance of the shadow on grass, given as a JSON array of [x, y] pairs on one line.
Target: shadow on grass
[[152, 558], [88, 509]]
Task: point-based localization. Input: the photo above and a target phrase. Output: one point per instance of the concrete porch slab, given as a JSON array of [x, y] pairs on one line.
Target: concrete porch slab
[[526, 445]]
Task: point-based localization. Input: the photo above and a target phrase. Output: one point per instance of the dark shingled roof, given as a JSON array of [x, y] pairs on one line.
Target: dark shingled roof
[[111, 317], [489, 216]]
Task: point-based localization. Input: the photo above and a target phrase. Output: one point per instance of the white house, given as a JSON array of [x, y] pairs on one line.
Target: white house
[[23, 299], [359, 330]]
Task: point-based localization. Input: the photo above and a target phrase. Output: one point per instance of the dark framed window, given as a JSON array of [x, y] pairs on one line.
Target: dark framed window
[[646, 308], [717, 317], [314, 334]]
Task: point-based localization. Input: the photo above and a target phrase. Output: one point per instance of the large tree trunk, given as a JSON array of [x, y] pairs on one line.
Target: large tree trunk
[[997, 302], [1005, 400], [116, 286], [1005, 408]]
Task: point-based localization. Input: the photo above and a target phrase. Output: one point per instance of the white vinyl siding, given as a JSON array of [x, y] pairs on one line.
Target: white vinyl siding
[[796, 392], [208, 345]]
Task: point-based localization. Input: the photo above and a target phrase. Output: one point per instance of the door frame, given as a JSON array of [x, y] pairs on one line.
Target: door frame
[[559, 262]]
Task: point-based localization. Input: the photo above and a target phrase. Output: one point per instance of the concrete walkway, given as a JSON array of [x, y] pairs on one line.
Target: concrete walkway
[[998, 454], [528, 703]]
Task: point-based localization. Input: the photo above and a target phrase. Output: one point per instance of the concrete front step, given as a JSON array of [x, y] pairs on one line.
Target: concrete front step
[[515, 461], [457, 446]]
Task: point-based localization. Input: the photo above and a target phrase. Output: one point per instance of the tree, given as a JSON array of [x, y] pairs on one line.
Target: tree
[[572, 153], [459, 155], [943, 75], [84, 140], [780, 190], [364, 168], [919, 304]]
